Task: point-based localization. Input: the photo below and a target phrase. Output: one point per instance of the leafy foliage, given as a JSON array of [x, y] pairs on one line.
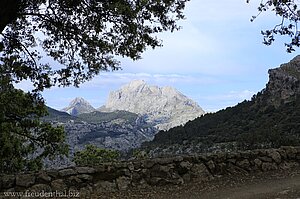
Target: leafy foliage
[[84, 37], [24, 139], [93, 155], [289, 12]]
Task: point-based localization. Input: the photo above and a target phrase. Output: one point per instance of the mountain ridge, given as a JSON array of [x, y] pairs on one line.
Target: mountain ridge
[[165, 106]]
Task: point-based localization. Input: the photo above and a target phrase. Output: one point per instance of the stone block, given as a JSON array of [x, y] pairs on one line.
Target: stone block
[[85, 170], [7, 181], [123, 183], [67, 172], [25, 180]]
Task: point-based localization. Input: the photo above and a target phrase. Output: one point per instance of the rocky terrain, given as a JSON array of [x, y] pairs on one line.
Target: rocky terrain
[[78, 106], [284, 83], [118, 130], [164, 106]]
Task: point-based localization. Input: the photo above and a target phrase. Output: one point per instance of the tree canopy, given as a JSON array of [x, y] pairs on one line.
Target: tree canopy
[[289, 12], [83, 37]]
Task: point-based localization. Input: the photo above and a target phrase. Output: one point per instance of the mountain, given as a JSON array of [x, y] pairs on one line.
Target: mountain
[[78, 106], [164, 106], [58, 116], [270, 119]]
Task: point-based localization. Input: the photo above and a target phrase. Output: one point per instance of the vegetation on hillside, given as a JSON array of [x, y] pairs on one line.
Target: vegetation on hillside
[[93, 155], [98, 117], [250, 124]]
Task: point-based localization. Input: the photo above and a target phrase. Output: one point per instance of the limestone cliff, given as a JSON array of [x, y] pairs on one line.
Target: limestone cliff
[[284, 82], [164, 106]]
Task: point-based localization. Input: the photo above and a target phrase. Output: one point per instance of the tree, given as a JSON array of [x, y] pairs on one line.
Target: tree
[[288, 26], [83, 37], [24, 139], [93, 155]]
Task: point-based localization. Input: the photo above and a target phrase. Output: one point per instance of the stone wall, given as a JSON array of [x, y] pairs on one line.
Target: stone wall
[[86, 181]]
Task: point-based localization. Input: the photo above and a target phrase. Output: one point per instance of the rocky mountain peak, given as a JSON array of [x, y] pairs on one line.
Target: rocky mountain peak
[[79, 106], [284, 82], [165, 106]]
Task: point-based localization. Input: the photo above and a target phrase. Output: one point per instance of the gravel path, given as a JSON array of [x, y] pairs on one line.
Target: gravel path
[[269, 185]]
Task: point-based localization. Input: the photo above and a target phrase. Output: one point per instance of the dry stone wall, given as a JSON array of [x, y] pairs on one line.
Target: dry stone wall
[[87, 182]]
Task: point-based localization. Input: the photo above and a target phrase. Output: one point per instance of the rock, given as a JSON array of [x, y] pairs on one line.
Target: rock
[[233, 169], [73, 180], [25, 180], [282, 153], [67, 172], [162, 171], [78, 106], [284, 82], [85, 177], [267, 166], [148, 163], [288, 165], [186, 177], [7, 181], [43, 177], [290, 151], [211, 165], [123, 183], [164, 106], [40, 188], [53, 173], [200, 171], [245, 164], [103, 186], [257, 162], [186, 165], [58, 185], [156, 181], [265, 159], [85, 170], [85, 192], [275, 156]]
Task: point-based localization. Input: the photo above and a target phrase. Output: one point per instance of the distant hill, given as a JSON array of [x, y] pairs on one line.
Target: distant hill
[[270, 119], [58, 116], [78, 106], [98, 117]]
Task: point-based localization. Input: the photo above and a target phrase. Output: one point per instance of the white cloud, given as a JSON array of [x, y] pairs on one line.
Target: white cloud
[[117, 79]]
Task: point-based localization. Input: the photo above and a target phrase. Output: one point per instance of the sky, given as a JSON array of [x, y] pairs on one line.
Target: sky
[[217, 59]]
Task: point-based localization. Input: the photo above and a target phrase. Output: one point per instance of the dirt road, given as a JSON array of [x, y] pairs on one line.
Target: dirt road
[[270, 185]]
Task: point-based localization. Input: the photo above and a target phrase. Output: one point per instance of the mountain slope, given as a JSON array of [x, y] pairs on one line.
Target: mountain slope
[[166, 107], [78, 106], [270, 119], [57, 116]]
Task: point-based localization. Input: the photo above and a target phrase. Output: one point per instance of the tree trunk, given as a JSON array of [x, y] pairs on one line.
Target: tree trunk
[[8, 12]]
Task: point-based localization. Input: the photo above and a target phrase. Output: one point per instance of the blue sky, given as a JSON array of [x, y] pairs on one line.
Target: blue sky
[[217, 59]]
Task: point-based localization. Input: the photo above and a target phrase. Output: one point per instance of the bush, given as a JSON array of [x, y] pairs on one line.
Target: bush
[[93, 155]]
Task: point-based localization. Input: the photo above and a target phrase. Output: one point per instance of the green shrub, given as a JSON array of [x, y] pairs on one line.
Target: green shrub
[[93, 155]]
